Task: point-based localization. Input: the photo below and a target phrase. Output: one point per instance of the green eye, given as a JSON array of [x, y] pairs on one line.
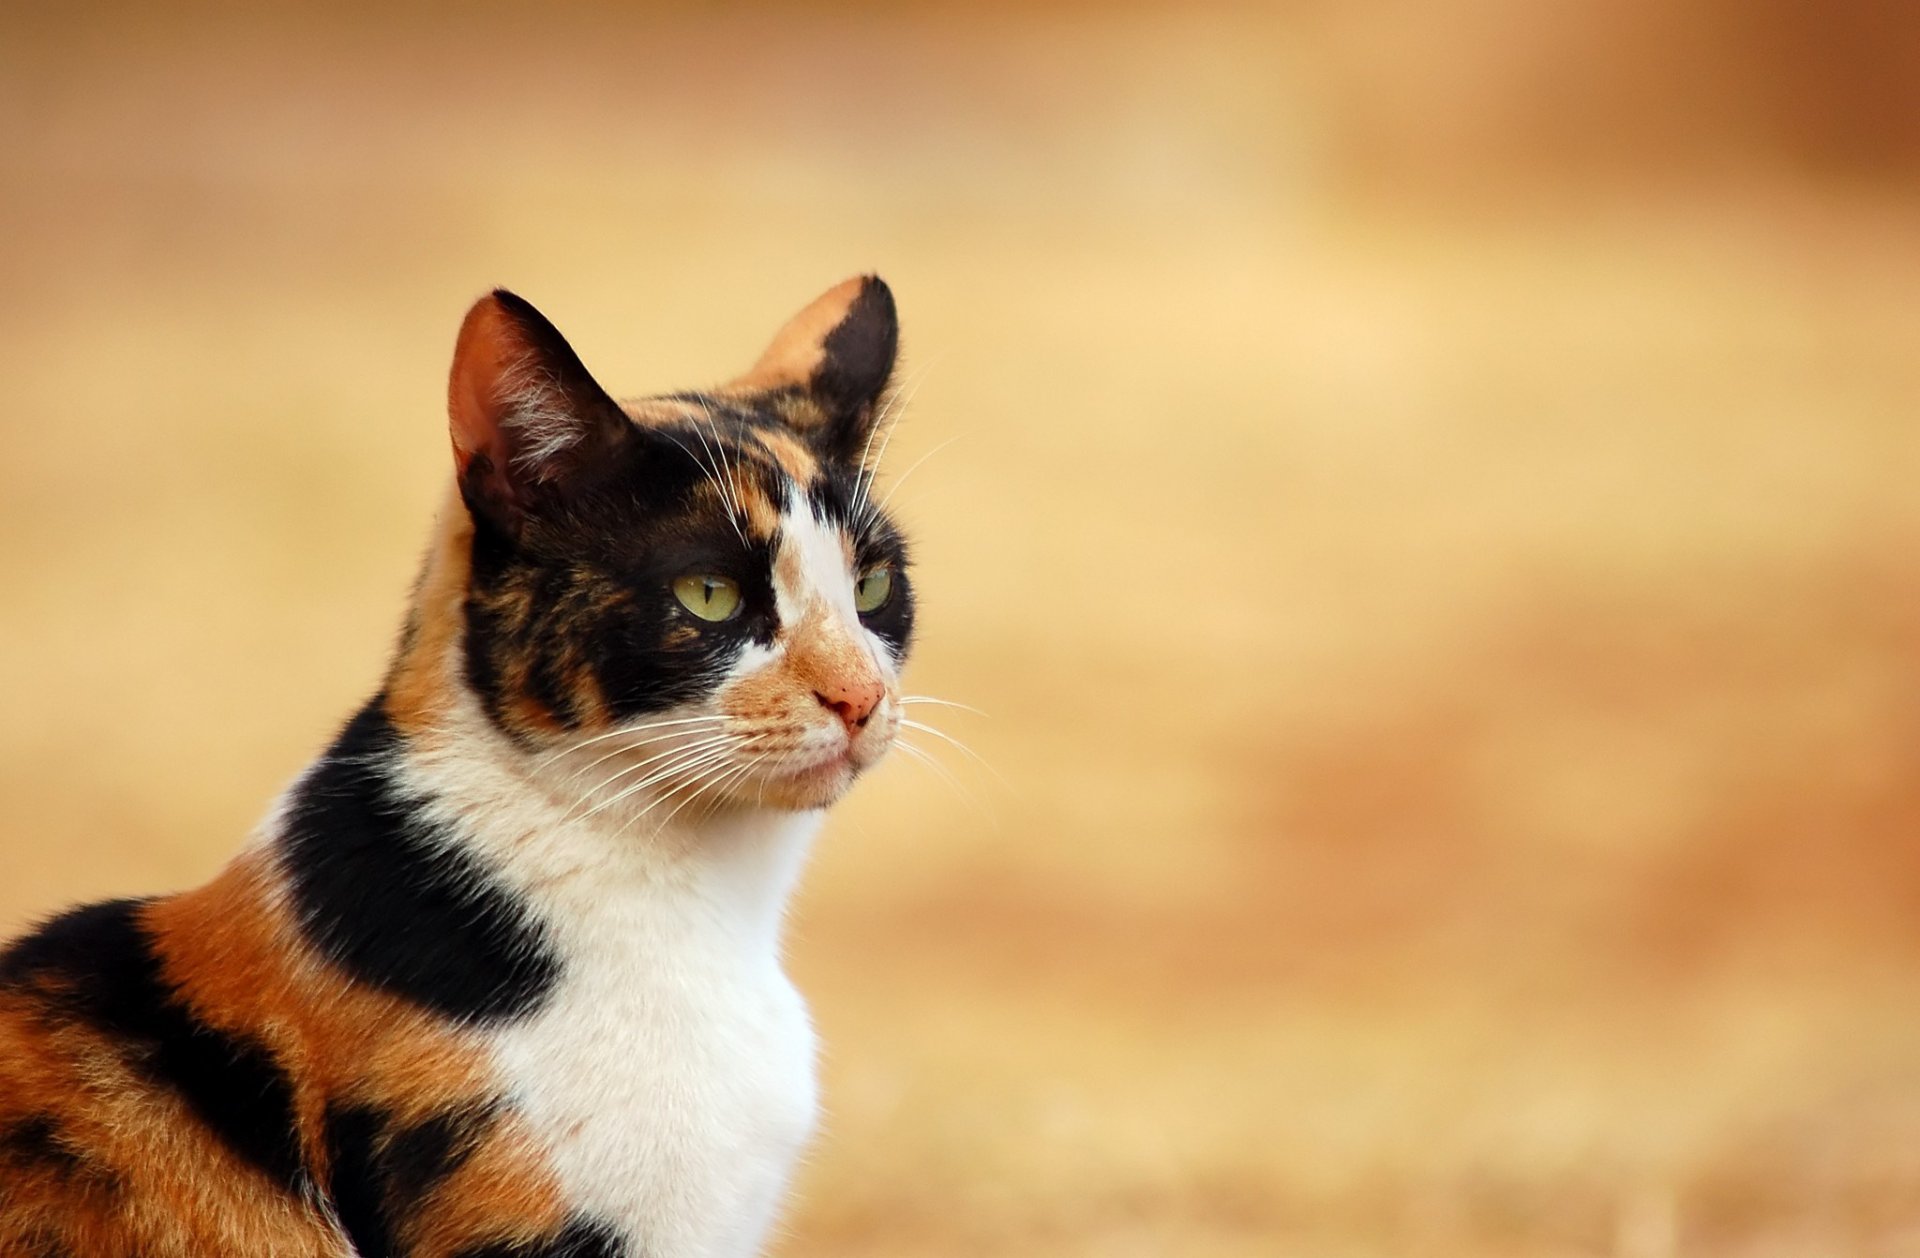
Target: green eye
[[708, 596], [873, 589]]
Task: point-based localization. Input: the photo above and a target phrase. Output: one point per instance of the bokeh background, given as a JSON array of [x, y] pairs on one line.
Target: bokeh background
[[1424, 495]]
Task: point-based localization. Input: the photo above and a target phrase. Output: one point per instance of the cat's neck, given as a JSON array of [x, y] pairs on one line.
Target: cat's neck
[[733, 869]]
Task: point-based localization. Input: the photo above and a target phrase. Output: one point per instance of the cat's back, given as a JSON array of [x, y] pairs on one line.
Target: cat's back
[[128, 1122]]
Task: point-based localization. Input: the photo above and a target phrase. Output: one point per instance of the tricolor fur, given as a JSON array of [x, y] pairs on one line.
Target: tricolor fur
[[499, 976]]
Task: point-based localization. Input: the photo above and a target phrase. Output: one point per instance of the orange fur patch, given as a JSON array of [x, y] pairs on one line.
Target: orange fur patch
[[145, 1176], [798, 348]]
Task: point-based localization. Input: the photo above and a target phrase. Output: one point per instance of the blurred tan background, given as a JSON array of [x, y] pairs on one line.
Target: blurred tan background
[[1430, 518]]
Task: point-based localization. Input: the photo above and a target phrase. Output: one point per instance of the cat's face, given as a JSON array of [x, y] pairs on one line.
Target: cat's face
[[693, 600]]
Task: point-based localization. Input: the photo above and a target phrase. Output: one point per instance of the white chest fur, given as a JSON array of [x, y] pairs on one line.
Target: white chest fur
[[671, 1072]]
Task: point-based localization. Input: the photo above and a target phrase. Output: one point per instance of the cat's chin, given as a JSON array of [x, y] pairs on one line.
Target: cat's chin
[[814, 786], [817, 786]]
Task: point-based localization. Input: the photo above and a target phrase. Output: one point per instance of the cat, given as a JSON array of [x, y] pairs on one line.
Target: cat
[[499, 975]]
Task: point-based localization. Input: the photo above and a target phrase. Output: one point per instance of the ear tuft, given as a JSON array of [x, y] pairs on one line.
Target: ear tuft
[[841, 351], [526, 418]]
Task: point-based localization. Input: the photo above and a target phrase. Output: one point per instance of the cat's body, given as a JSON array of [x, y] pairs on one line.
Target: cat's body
[[499, 976]]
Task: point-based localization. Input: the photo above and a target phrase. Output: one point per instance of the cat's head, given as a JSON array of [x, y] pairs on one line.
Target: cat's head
[[694, 598]]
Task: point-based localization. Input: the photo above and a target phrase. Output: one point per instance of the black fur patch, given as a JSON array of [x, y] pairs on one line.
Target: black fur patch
[[590, 589], [579, 1239], [44, 1244], [354, 1184], [419, 1155], [394, 907], [97, 964], [379, 1172], [854, 368], [33, 1142]]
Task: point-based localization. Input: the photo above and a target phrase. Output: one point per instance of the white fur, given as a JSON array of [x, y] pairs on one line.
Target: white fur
[[535, 408]]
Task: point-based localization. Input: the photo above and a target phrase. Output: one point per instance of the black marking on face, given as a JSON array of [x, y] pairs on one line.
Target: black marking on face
[[581, 611], [581, 1238], [396, 906], [97, 964]]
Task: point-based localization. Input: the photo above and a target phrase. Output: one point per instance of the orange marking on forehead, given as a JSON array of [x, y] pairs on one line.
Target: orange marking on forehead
[[762, 515], [656, 412], [790, 573], [790, 453]]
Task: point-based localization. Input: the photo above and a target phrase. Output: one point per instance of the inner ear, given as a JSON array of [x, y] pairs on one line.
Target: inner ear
[[840, 353], [529, 423]]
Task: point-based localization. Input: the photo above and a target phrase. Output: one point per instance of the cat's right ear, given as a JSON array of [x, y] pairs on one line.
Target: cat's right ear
[[527, 420]]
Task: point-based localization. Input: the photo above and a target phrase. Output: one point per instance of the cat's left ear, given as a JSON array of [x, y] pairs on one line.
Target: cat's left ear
[[528, 422], [840, 350]]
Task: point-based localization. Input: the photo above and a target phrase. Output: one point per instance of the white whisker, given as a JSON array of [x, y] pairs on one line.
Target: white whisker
[[896, 406], [583, 743], [692, 761], [895, 487], [711, 472], [945, 703], [636, 745], [923, 756], [732, 468], [721, 482], [953, 742], [713, 740]]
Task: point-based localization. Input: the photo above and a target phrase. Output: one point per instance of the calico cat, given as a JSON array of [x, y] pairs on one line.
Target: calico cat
[[499, 975]]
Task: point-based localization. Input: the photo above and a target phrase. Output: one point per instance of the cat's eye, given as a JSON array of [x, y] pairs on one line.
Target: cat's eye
[[708, 595], [873, 589]]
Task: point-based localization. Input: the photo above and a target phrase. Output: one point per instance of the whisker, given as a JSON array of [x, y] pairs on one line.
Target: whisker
[[923, 756], [664, 780], [951, 741], [895, 487], [570, 748], [636, 745], [712, 783], [692, 761], [945, 703], [710, 472], [732, 468], [897, 407], [721, 482], [711, 779], [713, 740]]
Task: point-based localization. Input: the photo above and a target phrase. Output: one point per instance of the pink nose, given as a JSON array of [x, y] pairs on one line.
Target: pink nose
[[852, 701]]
